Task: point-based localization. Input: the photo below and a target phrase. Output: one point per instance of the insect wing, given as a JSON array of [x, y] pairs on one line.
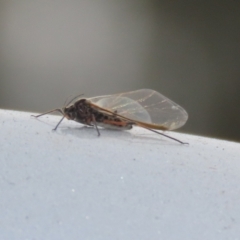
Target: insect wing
[[144, 106]]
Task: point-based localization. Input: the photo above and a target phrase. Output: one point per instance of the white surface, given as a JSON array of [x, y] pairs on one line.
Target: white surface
[[71, 184]]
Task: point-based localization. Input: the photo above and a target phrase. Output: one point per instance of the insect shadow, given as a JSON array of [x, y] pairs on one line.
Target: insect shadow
[[90, 133]]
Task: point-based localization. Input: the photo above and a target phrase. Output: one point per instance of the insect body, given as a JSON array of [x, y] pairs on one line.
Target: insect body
[[144, 108]]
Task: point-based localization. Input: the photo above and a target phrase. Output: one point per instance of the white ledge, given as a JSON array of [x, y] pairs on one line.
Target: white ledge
[[71, 184]]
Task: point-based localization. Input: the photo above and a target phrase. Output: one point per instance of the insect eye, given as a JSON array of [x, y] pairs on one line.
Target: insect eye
[[70, 112]]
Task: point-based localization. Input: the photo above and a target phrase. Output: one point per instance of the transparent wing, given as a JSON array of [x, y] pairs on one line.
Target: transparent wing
[[144, 106]]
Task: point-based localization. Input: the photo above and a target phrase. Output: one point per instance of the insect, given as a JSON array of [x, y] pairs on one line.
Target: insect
[[144, 108]]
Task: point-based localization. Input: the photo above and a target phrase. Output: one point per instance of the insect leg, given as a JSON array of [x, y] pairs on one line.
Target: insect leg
[[58, 123], [165, 135], [54, 110], [95, 124]]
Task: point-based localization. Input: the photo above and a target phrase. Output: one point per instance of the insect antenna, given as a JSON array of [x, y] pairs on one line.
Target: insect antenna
[[165, 135], [72, 99]]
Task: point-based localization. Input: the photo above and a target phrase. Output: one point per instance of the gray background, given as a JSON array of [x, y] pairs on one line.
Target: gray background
[[187, 50]]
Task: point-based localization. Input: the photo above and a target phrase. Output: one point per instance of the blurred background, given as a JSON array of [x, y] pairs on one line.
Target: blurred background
[[187, 50]]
